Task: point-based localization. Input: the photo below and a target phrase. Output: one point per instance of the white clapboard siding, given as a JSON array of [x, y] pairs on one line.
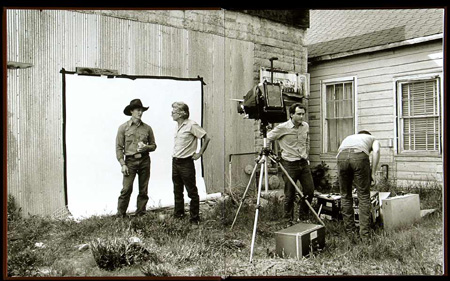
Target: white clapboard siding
[[376, 102]]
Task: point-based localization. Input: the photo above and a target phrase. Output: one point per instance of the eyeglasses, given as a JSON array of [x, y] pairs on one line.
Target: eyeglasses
[[175, 112]]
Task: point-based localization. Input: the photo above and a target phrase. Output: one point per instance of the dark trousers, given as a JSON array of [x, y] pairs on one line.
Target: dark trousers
[[354, 169], [140, 167], [183, 175], [297, 170]]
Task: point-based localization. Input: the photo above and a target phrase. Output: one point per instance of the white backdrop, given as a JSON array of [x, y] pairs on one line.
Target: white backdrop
[[94, 111]]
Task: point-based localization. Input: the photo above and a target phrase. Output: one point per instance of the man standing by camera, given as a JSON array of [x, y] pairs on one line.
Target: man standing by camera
[[293, 138], [184, 155], [134, 141], [354, 169]]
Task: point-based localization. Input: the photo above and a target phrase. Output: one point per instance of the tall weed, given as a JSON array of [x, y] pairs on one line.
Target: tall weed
[[110, 254]]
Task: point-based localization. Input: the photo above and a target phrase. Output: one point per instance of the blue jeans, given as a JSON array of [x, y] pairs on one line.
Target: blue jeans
[[140, 167], [183, 175], [297, 170], [354, 169]]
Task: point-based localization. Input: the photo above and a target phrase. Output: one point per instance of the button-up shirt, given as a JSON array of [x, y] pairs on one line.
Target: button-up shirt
[[186, 136], [128, 137], [294, 142]]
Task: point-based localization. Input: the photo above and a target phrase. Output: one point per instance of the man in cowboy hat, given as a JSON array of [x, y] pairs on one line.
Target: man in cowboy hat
[[134, 141]]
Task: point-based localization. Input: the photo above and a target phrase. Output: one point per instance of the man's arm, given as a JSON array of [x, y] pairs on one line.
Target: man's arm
[[151, 146], [205, 143], [120, 146], [308, 143], [375, 157], [273, 135]]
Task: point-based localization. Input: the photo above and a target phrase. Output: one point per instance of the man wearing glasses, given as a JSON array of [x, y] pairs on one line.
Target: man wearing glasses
[[184, 155]]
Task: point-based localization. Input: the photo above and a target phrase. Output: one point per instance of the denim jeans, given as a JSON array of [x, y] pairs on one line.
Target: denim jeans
[[297, 170], [140, 167], [183, 175], [354, 169]]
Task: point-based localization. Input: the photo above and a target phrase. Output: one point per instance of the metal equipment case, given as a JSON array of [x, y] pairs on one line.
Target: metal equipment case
[[330, 206], [299, 240]]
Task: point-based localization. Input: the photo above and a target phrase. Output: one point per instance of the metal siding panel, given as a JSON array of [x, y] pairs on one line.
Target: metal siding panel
[[34, 139], [173, 50], [13, 168], [206, 62], [239, 77]]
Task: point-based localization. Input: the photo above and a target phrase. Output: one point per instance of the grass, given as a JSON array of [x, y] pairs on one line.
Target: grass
[[171, 247]]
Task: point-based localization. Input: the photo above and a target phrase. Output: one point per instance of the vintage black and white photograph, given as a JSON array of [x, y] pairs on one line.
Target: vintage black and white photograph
[[223, 142]]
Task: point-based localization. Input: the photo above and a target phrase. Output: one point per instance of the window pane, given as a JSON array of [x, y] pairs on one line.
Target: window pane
[[332, 134], [330, 101], [338, 129], [419, 98], [421, 133], [339, 88], [348, 98]]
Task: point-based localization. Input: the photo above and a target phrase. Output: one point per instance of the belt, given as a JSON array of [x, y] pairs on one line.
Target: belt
[[136, 156], [355, 150], [303, 159], [181, 159]]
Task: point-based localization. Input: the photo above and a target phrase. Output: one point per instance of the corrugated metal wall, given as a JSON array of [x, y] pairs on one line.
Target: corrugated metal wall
[[56, 39]]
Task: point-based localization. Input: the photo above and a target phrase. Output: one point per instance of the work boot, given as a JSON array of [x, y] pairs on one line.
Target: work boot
[[120, 216]]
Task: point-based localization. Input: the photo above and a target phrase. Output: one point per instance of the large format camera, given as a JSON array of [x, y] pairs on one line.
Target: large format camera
[[264, 102]]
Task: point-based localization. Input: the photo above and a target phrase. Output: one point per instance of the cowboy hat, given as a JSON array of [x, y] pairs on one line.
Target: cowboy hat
[[136, 103]]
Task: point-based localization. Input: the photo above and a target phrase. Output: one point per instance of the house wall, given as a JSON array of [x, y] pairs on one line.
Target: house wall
[[376, 104], [225, 48]]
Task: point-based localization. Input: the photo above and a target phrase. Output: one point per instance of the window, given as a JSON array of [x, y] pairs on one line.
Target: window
[[419, 116], [338, 112]]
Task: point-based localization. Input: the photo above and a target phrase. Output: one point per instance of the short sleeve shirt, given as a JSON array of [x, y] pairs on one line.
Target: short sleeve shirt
[[361, 142], [186, 135]]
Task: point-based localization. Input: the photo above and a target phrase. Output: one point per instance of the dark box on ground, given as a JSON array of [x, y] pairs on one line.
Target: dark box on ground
[[299, 240], [331, 206]]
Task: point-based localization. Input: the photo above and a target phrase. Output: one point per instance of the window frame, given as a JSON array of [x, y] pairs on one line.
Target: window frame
[[398, 83], [323, 100]]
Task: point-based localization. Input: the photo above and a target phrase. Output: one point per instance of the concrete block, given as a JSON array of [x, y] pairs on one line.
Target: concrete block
[[400, 211]]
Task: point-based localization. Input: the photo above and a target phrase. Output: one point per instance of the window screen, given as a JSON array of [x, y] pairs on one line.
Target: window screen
[[420, 116], [339, 114]]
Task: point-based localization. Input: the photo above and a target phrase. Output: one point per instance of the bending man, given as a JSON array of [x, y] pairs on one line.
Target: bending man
[[354, 168]]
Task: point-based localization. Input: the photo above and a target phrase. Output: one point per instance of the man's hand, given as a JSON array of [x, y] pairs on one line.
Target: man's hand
[[125, 171], [196, 156], [142, 147], [373, 180]]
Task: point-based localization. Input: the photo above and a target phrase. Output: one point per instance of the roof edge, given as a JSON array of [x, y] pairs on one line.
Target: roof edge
[[377, 48]]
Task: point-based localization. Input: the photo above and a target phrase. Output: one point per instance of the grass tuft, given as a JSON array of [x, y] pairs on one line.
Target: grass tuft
[[118, 252]]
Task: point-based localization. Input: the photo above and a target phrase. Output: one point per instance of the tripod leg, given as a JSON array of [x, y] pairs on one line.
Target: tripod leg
[[245, 193], [263, 166], [299, 191]]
